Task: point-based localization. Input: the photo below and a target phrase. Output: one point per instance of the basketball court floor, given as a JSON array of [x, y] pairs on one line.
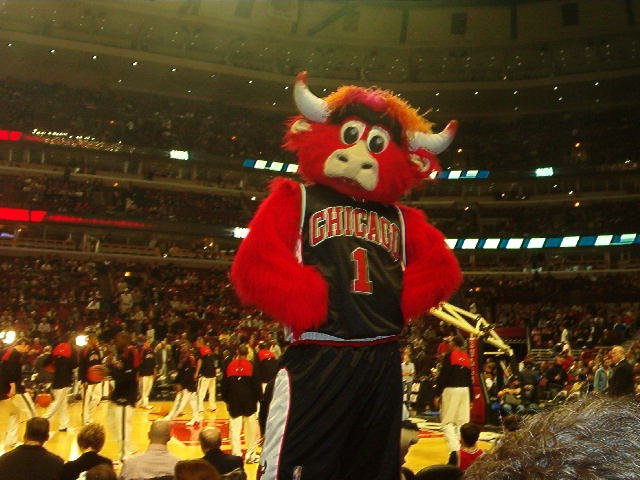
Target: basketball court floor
[[431, 448]]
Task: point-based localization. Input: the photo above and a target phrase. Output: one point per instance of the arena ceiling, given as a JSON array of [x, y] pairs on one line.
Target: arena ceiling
[[559, 74]]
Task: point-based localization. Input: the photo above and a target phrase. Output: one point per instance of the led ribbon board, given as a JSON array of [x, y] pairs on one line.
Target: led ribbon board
[[530, 243]]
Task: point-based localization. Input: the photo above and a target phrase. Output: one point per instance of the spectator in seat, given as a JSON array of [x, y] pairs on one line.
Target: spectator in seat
[[440, 472], [511, 397], [224, 463], [556, 378], [101, 472], [622, 382], [195, 470], [511, 423], [156, 461], [31, 460], [90, 440], [469, 451], [528, 374]]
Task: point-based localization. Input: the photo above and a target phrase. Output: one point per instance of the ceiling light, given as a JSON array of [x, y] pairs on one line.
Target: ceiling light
[[53, 50], [596, 84], [515, 92], [437, 93], [9, 44], [555, 88], [95, 57], [173, 69], [135, 64], [476, 92]]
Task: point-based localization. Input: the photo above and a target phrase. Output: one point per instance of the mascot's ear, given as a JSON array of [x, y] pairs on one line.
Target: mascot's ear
[[426, 162], [300, 126], [423, 163]]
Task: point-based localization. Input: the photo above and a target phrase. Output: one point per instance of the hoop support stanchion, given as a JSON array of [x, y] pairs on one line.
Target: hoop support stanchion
[[463, 319]]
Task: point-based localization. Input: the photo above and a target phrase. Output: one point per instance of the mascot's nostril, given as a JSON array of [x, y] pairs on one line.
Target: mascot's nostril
[[367, 166], [343, 158]]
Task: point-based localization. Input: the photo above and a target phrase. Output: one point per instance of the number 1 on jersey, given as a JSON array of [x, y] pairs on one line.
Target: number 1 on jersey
[[361, 282]]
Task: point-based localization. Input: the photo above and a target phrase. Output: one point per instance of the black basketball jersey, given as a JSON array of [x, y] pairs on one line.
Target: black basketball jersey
[[147, 362], [359, 248], [11, 372]]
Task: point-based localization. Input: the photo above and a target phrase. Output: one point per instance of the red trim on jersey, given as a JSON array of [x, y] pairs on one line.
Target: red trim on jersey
[[204, 351], [62, 350], [264, 354], [458, 357], [239, 368], [7, 354]]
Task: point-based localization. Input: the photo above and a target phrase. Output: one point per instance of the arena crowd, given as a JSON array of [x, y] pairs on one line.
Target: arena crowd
[[149, 120]]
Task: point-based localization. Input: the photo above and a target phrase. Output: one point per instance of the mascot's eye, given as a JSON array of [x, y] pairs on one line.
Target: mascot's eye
[[351, 131], [378, 140]]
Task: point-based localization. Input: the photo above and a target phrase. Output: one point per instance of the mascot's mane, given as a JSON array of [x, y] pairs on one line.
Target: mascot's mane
[[382, 101]]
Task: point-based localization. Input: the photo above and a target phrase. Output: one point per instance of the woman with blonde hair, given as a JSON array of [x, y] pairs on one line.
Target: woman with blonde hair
[[90, 440]]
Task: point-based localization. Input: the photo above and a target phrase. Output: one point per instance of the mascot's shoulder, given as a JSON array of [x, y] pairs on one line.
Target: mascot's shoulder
[[284, 185], [411, 212]]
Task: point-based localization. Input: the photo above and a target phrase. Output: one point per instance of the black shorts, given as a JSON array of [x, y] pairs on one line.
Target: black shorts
[[335, 414]]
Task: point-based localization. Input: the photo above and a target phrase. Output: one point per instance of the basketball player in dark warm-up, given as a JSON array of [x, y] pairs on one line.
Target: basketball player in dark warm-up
[[12, 391], [123, 365], [91, 389]]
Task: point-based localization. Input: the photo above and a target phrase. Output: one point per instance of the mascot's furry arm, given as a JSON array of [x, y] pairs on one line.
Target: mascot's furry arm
[[267, 273], [432, 274]]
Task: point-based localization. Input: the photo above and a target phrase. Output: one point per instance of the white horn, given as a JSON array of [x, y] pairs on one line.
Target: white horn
[[310, 106], [434, 142]]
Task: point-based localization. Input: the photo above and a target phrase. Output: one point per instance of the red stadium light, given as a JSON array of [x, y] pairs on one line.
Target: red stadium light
[[96, 221], [38, 216], [22, 215], [10, 135]]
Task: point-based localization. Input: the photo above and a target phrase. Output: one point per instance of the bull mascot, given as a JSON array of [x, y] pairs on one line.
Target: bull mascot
[[340, 263]]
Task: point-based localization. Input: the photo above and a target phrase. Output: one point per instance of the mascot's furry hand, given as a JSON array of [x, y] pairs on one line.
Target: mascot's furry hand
[[266, 271], [366, 144]]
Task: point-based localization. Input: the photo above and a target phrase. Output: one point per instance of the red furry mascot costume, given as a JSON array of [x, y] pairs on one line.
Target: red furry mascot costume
[[344, 266]]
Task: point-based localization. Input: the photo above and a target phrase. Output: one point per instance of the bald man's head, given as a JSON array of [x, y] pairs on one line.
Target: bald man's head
[[209, 439], [617, 353], [160, 432]]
